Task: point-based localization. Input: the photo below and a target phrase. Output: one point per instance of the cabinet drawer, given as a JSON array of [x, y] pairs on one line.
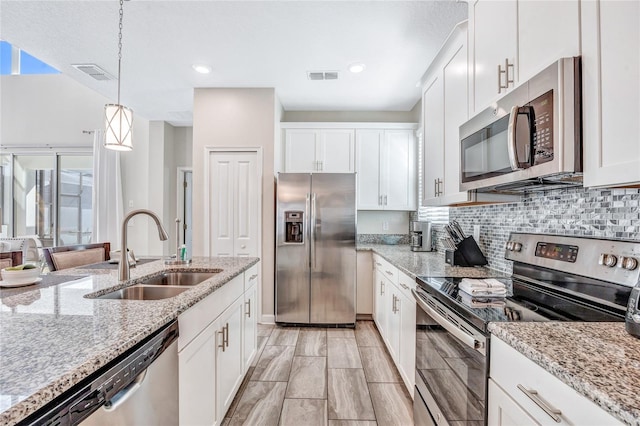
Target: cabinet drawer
[[509, 368], [199, 316], [387, 269], [406, 284], [251, 276]]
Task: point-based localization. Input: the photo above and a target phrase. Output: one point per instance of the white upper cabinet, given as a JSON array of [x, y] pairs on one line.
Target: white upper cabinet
[[510, 41], [433, 157], [386, 167], [319, 150], [611, 101], [493, 44]]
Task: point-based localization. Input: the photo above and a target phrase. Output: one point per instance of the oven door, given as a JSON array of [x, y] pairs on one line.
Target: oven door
[[451, 366]]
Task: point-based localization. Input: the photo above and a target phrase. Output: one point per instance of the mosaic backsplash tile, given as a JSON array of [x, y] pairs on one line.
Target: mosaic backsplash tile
[[605, 213]]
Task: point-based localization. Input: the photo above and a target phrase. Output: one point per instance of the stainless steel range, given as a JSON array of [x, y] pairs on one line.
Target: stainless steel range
[[555, 278]]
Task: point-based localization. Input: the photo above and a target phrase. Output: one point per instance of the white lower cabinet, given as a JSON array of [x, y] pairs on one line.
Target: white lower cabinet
[[395, 317], [218, 339], [522, 393]]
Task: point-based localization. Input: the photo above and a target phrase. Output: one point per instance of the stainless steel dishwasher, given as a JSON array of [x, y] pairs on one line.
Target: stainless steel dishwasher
[[139, 388]]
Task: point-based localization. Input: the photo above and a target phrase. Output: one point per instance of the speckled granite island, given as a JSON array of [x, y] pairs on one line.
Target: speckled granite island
[[599, 360], [52, 337], [431, 264]]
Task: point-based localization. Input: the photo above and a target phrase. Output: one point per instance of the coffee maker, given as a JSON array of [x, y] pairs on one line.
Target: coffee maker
[[420, 236]]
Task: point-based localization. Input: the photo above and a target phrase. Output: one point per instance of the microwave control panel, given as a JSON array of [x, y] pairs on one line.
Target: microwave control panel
[[542, 131]]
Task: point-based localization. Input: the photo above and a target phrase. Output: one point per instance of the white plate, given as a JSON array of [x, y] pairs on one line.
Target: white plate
[[6, 284]]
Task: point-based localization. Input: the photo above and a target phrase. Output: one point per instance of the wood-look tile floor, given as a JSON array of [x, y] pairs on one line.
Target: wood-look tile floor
[[321, 376]]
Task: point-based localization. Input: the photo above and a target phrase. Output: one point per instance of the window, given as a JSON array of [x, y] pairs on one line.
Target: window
[[48, 195], [25, 63]]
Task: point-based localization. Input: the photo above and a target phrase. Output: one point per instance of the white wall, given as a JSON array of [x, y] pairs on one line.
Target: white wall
[[371, 222], [228, 117]]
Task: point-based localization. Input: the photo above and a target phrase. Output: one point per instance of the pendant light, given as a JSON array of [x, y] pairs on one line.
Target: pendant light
[[118, 118]]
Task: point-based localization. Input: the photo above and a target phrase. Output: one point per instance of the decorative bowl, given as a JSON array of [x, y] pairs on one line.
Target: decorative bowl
[[21, 276]]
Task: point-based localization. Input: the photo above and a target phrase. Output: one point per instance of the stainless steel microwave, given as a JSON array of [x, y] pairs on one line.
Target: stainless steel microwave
[[530, 139]]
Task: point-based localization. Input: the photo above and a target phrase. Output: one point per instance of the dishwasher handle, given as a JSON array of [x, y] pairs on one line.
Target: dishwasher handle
[[126, 393]]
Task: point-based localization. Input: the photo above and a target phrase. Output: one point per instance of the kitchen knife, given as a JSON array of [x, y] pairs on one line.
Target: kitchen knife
[[452, 233], [456, 227]]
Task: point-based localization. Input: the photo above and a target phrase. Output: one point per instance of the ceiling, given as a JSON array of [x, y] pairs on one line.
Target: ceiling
[[246, 43]]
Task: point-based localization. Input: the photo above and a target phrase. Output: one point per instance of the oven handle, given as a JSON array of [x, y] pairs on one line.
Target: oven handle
[[468, 340]]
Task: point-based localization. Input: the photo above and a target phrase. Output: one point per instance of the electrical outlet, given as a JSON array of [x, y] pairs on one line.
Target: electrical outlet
[[385, 225], [476, 233], [130, 203]]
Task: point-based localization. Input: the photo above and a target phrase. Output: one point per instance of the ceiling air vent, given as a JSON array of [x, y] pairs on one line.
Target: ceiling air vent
[[94, 71], [322, 75]]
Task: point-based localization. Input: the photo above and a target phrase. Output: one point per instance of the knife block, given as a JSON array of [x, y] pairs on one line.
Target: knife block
[[466, 254]]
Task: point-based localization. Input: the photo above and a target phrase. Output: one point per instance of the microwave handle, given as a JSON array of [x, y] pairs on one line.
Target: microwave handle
[[511, 139]]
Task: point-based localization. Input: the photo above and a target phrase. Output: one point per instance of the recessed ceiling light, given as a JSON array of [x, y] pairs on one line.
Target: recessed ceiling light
[[356, 68], [202, 69]]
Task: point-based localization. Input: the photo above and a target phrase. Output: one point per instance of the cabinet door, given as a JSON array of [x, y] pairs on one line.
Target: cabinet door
[[364, 283], [610, 70], [560, 38], [504, 411], [433, 153], [229, 360], [336, 151], [398, 175], [250, 326], [407, 364], [455, 114], [197, 379], [393, 322], [300, 150], [493, 29], [380, 313], [368, 155]]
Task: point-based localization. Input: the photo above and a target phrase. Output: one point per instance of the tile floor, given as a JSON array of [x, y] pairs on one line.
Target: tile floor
[[321, 376]]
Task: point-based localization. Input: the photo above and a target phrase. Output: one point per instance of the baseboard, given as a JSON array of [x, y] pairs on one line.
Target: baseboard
[[364, 317], [268, 319]]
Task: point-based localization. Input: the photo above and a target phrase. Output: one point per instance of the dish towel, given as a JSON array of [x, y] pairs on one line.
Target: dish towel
[[486, 287]]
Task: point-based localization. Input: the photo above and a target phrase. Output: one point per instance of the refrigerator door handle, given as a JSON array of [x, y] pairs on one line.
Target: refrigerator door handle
[[313, 230], [308, 233]]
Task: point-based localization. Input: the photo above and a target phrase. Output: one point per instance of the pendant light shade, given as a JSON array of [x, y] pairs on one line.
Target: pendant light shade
[[118, 125], [118, 118]]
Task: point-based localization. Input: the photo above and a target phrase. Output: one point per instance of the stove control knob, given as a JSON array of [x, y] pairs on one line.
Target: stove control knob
[[517, 246], [510, 245], [628, 263], [607, 260]]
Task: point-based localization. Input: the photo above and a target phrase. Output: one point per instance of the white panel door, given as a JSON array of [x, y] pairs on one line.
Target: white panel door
[[433, 154], [398, 175], [246, 214], [455, 114], [494, 37], [229, 362], [336, 151], [234, 204], [560, 38], [368, 155], [300, 150], [610, 74], [197, 380], [221, 208]]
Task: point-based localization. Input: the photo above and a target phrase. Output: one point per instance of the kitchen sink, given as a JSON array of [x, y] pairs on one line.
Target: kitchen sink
[[179, 278], [144, 292]]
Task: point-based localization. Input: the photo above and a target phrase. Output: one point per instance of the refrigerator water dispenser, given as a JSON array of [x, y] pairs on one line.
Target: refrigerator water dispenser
[[294, 227]]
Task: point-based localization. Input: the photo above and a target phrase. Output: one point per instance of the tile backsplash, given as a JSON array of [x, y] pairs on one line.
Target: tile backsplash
[[605, 213]]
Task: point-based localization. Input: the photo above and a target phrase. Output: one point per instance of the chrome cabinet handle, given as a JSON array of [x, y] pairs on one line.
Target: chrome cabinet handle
[[378, 263], [404, 286], [248, 311], [385, 200], [226, 335], [253, 277], [435, 187], [221, 345], [389, 273], [500, 87], [381, 288], [533, 395]]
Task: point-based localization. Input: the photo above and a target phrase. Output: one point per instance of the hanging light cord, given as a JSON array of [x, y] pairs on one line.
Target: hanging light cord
[[120, 47]]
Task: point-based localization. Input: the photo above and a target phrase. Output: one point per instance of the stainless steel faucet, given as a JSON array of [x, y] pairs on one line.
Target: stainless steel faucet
[[123, 267]]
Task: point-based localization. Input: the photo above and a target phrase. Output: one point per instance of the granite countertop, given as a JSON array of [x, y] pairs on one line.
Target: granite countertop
[[600, 360], [430, 264], [52, 337]]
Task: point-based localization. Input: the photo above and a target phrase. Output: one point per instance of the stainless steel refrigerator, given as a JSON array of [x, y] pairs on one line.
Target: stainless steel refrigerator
[[316, 248]]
